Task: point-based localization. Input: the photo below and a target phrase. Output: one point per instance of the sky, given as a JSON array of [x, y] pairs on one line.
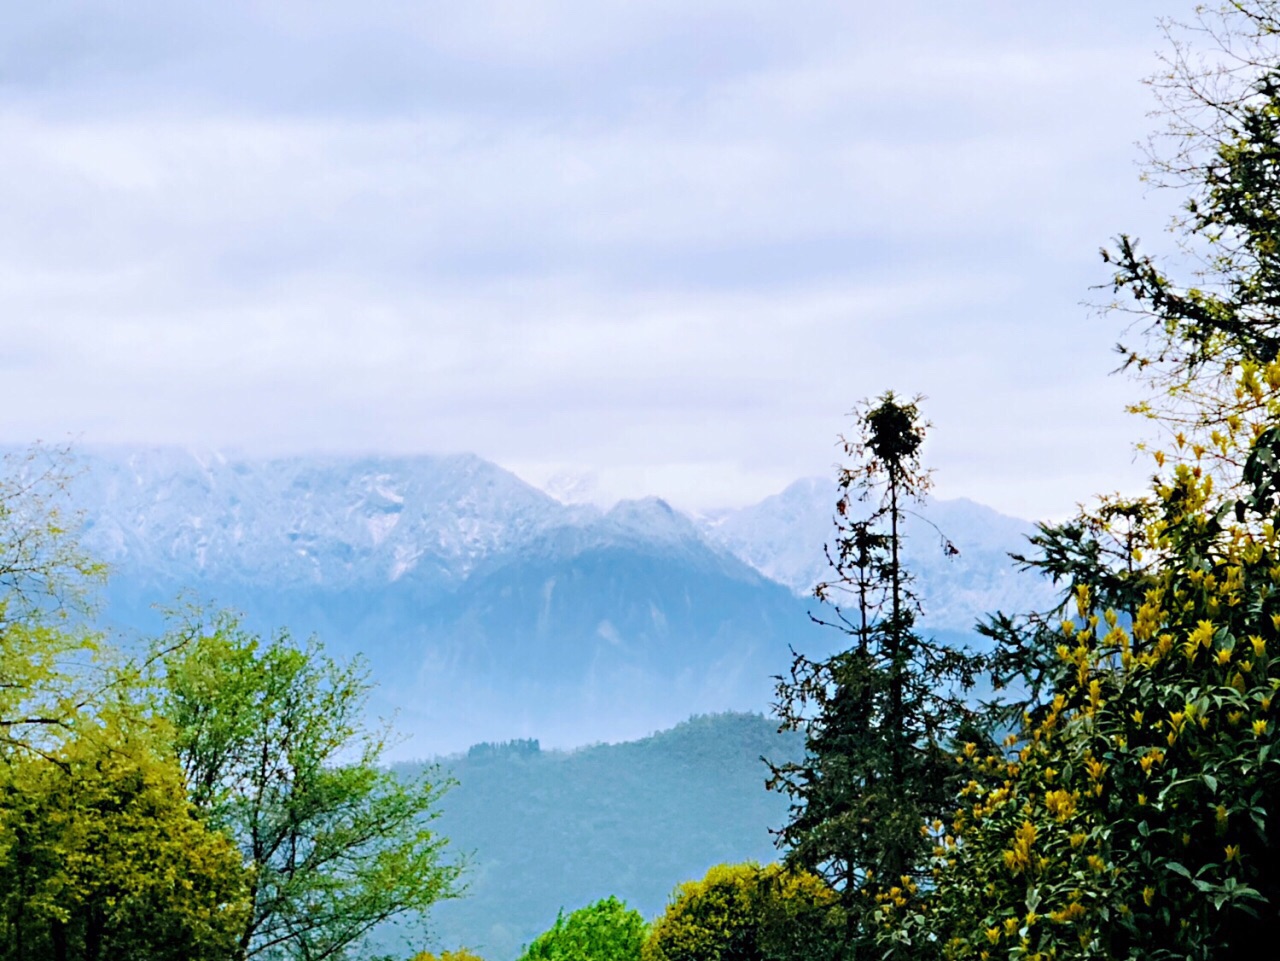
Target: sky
[[636, 248]]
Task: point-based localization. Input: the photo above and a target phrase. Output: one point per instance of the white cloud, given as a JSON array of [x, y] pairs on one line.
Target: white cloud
[[670, 244]]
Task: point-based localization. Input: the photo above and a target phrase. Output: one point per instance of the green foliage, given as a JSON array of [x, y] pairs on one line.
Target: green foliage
[[270, 738], [743, 912], [604, 931], [1221, 149], [101, 856], [880, 716]]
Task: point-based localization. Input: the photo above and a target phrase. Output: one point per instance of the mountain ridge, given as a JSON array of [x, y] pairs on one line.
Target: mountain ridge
[[488, 609]]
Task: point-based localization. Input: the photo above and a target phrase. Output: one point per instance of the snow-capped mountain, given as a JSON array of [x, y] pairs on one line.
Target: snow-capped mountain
[[488, 609], [783, 538], [336, 522]]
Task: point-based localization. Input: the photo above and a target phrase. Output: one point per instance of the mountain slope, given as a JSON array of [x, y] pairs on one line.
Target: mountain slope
[[550, 829], [489, 610]]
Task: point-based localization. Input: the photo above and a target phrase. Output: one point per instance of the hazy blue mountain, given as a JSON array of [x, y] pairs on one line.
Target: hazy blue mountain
[[552, 829], [489, 610]]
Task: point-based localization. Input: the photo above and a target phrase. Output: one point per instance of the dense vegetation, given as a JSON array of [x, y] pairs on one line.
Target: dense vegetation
[[217, 798]]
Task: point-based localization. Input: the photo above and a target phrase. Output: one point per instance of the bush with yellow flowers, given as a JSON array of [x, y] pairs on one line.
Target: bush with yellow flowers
[[1134, 814], [744, 912]]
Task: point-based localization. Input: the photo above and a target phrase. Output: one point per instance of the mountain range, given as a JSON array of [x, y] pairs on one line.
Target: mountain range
[[488, 609]]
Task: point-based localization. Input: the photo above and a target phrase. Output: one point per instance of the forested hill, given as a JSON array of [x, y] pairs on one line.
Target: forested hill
[[553, 829]]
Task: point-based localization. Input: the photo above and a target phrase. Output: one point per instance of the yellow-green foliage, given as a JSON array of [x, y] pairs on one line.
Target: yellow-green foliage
[[743, 912], [102, 856], [46, 583], [271, 736], [462, 954], [605, 931]]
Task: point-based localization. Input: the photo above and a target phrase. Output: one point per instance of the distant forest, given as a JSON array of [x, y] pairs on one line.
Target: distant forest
[[559, 829]]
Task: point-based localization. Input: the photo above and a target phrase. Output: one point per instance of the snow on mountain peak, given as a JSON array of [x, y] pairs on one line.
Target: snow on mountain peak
[[653, 518]]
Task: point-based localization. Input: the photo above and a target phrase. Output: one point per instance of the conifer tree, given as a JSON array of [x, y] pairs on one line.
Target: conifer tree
[[880, 716]]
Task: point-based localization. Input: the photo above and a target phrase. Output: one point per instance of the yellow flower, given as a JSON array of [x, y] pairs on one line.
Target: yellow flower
[[1202, 635], [1137, 717], [1260, 727], [1095, 692], [1224, 656], [1259, 645], [1082, 599], [1148, 895], [1078, 839], [993, 935], [1061, 804], [1232, 851]]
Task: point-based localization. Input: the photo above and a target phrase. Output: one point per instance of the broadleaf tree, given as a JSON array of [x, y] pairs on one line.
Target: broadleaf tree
[[604, 931], [48, 674], [102, 856], [275, 749]]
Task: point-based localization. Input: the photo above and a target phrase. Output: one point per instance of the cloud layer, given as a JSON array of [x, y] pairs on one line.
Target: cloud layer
[[666, 243]]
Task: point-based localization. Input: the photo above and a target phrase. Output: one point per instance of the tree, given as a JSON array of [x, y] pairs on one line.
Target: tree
[[743, 912], [102, 856], [1137, 819], [879, 717], [46, 585], [605, 931], [271, 742], [1221, 148], [1134, 814]]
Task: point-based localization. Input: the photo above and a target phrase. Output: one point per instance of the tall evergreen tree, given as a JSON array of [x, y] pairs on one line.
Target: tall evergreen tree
[[881, 716]]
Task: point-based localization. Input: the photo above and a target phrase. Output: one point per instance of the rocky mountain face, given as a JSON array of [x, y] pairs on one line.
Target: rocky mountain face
[[488, 609]]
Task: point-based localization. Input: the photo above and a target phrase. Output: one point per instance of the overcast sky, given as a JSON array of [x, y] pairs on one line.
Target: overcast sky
[[668, 244]]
